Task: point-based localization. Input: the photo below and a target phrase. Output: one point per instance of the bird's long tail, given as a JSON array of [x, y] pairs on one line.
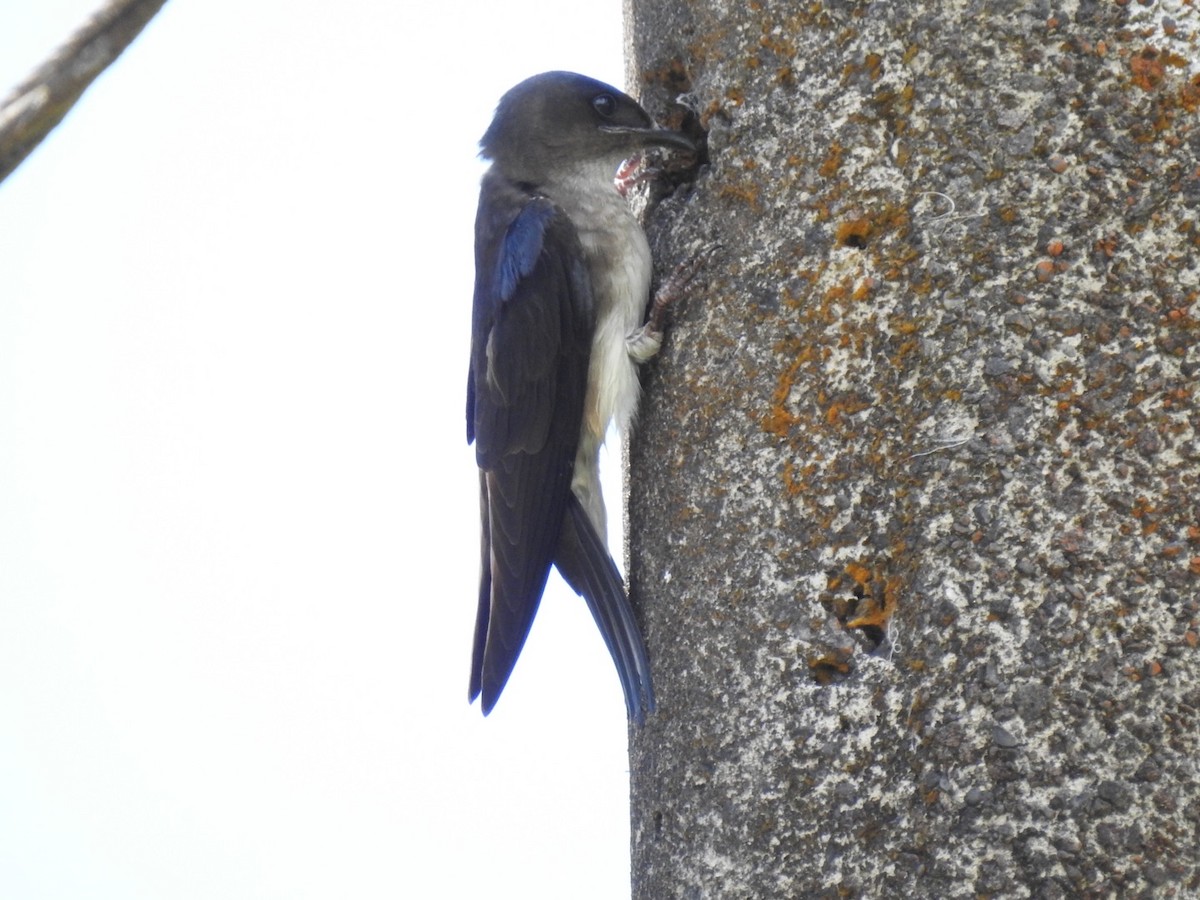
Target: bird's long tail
[[584, 563]]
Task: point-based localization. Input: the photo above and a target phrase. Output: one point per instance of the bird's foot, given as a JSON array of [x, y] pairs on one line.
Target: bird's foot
[[675, 287], [647, 340], [643, 343]]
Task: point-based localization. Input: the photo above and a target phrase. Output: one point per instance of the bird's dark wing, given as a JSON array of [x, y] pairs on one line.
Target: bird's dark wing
[[531, 343], [585, 565]]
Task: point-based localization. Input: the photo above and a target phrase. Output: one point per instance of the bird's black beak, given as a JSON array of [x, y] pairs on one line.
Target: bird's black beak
[[654, 137]]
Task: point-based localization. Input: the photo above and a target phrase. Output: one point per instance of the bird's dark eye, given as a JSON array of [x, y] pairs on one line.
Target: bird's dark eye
[[605, 104]]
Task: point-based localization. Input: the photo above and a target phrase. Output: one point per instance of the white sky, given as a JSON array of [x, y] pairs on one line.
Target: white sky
[[238, 522]]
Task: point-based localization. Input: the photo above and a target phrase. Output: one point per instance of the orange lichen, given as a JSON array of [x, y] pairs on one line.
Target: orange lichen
[[778, 45], [854, 233], [1150, 66], [839, 291], [709, 111], [1189, 95], [746, 191], [673, 75], [838, 408], [1107, 245], [832, 162], [828, 666], [791, 483], [878, 610], [860, 573], [863, 289], [1144, 513], [778, 420], [874, 65]]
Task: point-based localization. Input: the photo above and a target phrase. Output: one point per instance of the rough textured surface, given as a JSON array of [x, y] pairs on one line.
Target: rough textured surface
[[916, 493], [34, 107]]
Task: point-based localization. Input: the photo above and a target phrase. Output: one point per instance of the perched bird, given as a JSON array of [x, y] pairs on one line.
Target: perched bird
[[562, 280]]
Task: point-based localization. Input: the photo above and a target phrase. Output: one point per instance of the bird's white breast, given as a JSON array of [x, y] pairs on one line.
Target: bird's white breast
[[619, 261]]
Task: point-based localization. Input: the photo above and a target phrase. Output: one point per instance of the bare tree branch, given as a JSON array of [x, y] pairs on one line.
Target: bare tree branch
[[36, 105]]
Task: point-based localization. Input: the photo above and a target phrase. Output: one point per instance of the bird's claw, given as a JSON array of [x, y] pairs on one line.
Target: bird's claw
[[674, 288]]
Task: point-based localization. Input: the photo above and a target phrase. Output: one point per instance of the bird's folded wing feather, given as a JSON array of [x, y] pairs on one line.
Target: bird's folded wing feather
[[586, 566], [531, 342]]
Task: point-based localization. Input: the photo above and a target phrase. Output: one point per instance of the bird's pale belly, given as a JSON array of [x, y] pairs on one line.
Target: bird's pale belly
[[621, 286]]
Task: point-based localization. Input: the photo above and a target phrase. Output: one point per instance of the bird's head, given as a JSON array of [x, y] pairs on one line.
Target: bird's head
[[560, 122]]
